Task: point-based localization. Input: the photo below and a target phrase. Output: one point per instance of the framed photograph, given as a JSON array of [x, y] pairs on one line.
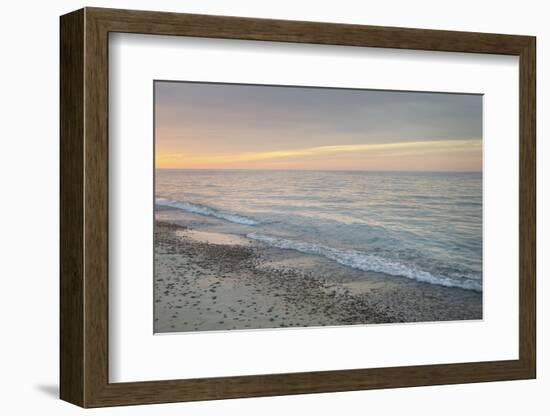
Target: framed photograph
[[255, 207]]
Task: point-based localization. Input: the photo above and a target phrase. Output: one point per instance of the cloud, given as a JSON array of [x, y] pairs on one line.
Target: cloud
[[401, 149]]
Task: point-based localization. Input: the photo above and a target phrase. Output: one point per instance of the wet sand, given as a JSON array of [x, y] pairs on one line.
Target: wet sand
[[207, 281]]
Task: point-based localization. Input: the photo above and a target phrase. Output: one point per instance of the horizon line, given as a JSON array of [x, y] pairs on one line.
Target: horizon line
[[329, 170]]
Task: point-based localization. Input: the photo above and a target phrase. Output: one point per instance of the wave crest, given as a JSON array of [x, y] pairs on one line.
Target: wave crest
[[206, 211], [369, 262]]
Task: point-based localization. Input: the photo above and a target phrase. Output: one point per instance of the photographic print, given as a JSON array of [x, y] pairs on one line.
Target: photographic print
[[291, 207]]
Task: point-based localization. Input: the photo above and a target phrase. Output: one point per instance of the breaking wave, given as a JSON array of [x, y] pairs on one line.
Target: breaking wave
[[369, 262], [206, 211]]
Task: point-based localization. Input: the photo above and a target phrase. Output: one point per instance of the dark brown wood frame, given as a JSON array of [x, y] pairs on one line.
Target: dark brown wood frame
[[84, 207]]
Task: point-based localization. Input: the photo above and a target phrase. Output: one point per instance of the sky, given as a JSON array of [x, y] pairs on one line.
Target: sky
[[237, 126]]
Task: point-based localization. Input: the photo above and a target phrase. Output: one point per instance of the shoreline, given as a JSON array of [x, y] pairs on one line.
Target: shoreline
[[208, 281]]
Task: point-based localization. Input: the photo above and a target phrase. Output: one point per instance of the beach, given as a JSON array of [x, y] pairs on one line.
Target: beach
[[289, 207], [210, 280]]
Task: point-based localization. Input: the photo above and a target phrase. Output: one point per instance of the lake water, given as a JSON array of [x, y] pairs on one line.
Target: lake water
[[423, 226]]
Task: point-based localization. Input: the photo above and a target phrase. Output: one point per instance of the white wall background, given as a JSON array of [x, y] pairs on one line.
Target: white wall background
[[29, 85]]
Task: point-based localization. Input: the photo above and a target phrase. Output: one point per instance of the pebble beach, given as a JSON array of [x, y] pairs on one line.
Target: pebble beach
[[209, 281]]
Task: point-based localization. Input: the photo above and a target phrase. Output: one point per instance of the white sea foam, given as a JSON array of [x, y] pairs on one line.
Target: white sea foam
[[368, 262], [207, 211]]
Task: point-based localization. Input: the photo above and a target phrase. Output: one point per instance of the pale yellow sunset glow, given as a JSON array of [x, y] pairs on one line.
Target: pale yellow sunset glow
[[416, 154], [232, 126]]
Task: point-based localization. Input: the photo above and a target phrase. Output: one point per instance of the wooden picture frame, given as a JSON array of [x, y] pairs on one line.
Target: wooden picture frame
[[84, 207]]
